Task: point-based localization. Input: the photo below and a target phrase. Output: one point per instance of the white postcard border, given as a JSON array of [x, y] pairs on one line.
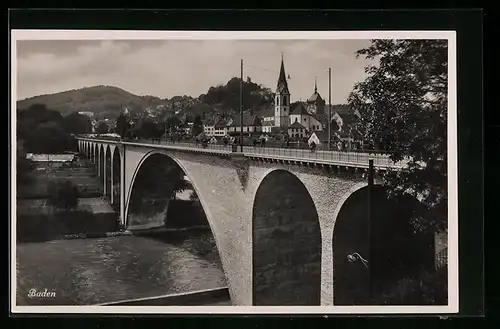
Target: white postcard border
[[453, 284]]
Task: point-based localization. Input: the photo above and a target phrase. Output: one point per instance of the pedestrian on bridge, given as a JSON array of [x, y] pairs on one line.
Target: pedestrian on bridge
[[313, 147]]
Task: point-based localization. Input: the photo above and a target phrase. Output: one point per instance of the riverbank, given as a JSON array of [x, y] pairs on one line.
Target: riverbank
[[37, 222]]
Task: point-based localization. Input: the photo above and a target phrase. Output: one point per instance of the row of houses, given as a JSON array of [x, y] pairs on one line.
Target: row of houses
[[302, 124]]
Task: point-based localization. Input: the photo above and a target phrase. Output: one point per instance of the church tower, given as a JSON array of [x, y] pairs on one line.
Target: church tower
[[316, 104], [282, 100]]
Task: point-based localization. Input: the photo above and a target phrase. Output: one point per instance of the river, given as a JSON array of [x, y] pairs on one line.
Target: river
[[94, 271]]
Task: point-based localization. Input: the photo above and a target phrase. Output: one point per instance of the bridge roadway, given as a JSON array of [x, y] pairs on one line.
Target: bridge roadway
[[338, 158]]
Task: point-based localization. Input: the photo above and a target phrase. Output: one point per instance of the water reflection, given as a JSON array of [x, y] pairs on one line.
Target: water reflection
[[92, 271]]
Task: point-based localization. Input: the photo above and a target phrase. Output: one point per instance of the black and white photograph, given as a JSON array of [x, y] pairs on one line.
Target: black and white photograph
[[234, 172]]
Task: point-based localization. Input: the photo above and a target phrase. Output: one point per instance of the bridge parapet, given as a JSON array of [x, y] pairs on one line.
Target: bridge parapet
[[356, 159]]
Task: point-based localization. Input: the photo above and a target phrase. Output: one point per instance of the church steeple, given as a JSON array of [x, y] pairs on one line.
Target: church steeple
[[282, 102], [282, 84], [315, 86]]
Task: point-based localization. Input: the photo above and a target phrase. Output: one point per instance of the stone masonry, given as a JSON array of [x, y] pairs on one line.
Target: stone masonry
[[298, 228]]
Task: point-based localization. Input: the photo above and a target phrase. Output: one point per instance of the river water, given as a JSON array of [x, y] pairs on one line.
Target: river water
[[93, 271]]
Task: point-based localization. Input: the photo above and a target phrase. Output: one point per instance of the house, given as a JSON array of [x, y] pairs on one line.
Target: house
[[221, 128], [308, 120], [296, 130], [42, 161], [320, 138], [343, 127], [87, 113], [268, 116], [209, 127], [342, 116], [50, 157], [251, 124], [186, 128], [267, 126]]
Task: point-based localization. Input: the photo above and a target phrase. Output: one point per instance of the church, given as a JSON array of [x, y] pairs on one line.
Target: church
[[301, 120]]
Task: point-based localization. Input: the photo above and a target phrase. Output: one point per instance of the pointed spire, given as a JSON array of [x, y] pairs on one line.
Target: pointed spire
[[315, 85], [282, 84]]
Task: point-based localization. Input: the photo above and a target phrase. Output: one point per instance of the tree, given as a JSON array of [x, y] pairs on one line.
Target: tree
[[102, 128], [76, 123], [47, 137], [180, 182], [23, 168], [403, 107], [197, 126], [63, 195], [193, 197], [146, 128], [28, 120], [40, 113], [122, 125], [173, 124]]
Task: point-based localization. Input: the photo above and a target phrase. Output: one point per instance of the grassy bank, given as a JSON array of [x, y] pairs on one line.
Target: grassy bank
[[45, 227], [425, 288]]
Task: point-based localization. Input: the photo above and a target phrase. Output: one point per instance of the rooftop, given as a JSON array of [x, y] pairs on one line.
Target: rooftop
[[50, 157], [297, 125], [222, 123], [248, 120], [299, 109]]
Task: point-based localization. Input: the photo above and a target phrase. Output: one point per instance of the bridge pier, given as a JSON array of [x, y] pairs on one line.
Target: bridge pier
[[105, 173], [123, 220]]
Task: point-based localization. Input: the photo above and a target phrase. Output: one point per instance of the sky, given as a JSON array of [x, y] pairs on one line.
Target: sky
[[166, 68]]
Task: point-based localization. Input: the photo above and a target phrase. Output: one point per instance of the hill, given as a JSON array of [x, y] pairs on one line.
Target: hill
[[107, 101], [104, 101]]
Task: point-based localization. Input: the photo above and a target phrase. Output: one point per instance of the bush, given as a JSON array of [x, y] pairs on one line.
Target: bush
[[44, 227], [63, 195], [428, 288]]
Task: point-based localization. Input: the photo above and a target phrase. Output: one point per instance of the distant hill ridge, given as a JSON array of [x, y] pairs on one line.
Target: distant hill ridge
[[108, 101], [105, 101]]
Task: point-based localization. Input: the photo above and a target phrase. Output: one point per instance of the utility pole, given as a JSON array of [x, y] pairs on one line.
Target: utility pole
[[241, 106], [329, 107]]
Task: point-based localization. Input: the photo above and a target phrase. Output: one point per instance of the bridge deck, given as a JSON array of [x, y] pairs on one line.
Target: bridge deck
[[338, 158]]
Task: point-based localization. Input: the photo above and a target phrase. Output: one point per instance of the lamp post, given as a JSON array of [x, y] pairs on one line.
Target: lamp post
[[351, 258]]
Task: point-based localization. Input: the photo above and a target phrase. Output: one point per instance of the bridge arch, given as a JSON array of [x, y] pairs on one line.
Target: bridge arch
[[96, 156], [167, 159], [387, 241], [116, 187], [107, 171], [286, 248], [101, 162]]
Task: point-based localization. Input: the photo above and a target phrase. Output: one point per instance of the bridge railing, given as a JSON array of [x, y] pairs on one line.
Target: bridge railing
[[184, 144], [340, 157]]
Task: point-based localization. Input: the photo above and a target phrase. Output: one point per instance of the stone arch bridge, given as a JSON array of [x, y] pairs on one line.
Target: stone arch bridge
[[272, 214]]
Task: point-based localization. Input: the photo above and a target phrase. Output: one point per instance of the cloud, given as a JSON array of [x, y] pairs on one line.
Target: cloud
[[186, 67]]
